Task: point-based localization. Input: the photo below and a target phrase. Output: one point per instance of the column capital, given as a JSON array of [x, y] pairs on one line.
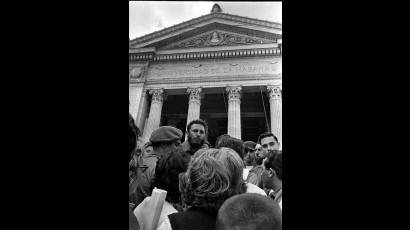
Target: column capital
[[234, 93], [275, 92], [194, 94], [157, 95]]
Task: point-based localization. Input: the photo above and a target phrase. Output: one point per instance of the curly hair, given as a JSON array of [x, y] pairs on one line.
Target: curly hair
[[166, 174], [233, 143], [249, 211], [197, 121], [213, 176]]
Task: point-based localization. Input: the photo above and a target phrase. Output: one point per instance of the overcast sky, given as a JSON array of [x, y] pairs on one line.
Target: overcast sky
[[148, 16]]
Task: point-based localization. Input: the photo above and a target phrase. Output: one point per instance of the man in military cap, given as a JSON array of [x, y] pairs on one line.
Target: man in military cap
[[164, 140]]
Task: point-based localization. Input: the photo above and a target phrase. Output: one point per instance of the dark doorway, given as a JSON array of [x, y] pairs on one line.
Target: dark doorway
[[214, 112], [175, 111], [255, 115]]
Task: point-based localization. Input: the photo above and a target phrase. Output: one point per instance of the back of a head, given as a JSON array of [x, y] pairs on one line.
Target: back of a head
[[167, 171], [213, 176], [218, 139], [249, 211], [233, 143]]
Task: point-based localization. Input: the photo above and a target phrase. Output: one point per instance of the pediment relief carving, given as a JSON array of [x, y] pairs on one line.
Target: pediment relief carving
[[136, 72], [217, 38]]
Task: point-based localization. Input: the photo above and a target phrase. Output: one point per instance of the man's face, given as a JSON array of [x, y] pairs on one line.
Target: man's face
[[268, 143], [196, 135], [267, 177], [258, 154], [249, 157]]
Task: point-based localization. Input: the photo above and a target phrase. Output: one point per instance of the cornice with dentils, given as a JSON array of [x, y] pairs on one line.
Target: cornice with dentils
[[182, 25]]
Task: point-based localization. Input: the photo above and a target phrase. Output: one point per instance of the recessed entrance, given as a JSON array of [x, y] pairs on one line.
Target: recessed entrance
[[255, 112]]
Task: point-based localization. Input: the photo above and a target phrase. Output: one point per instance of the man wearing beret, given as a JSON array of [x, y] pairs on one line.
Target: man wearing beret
[[164, 140], [197, 131]]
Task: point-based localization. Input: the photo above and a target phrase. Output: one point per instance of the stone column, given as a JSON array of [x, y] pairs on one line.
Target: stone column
[[234, 111], [154, 117], [134, 98], [275, 100], [142, 111], [194, 106]]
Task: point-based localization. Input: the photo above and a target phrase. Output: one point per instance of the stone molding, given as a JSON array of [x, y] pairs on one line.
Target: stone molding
[[275, 92], [215, 82], [194, 21], [194, 95], [207, 55], [234, 93]]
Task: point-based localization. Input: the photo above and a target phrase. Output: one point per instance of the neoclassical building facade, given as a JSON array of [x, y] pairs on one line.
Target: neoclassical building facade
[[223, 68]]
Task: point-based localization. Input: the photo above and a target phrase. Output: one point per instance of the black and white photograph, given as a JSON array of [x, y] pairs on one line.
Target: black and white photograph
[[205, 115]]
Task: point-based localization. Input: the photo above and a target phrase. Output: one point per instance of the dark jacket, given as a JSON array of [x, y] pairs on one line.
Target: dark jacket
[[193, 219], [188, 148], [141, 187]]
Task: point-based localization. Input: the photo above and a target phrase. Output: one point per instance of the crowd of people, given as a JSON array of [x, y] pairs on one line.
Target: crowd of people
[[232, 184]]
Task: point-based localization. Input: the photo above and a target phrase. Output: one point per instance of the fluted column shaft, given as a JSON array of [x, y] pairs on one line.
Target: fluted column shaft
[[154, 117], [194, 106], [234, 111], [142, 111], [275, 100]]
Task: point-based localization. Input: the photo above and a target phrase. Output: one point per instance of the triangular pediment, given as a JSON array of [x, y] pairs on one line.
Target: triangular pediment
[[217, 38], [230, 30]]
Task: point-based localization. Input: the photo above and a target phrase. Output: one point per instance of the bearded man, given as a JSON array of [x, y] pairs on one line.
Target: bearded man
[[197, 136]]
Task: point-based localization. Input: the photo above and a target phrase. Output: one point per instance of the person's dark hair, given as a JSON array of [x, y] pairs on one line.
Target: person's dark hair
[[274, 161], [166, 174], [267, 134], [249, 211], [197, 121], [218, 139], [249, 145], [134, 132], [213, 176], [233, 143]]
